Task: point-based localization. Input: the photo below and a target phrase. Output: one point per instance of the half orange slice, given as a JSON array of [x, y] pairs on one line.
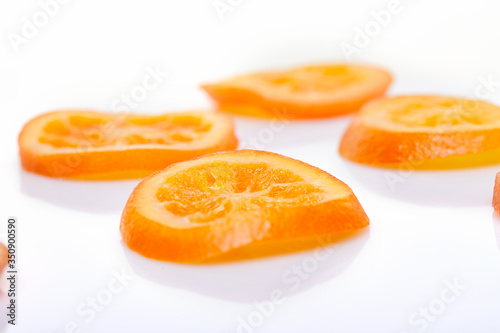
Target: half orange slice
[[202, 208], [305, 92], [430, 132], [94, 145]]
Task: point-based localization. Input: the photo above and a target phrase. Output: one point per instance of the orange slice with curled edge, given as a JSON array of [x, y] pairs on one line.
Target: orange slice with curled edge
[[305, 92], [203, 208], [94, 145], [430, 132]]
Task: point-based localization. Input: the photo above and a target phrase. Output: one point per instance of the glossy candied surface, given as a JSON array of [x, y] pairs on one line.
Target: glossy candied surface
[[305, 92], [93, 145], [199, 209], [431, 132]]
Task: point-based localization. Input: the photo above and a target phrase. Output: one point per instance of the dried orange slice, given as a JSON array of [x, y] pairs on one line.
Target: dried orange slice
[[496, 194], [4, 259], [306, 92], [93, 145], [430, 132], [202, 208]]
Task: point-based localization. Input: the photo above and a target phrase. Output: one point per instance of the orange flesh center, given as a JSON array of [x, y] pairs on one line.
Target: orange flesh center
[[206, 193], [450, 112], [83, 131], [313, 79]]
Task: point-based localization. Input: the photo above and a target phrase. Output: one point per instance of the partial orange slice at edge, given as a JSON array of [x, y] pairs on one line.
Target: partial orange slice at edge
[[94, 145], [428, 132], [496, 194], [4, 259], [203, 208]]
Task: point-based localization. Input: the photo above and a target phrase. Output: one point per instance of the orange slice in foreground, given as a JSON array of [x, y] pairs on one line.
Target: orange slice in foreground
[[93, 145], [306, 92], [429, 132], [199, 209]]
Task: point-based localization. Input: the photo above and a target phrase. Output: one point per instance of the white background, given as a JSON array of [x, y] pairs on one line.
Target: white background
[[427, 229]]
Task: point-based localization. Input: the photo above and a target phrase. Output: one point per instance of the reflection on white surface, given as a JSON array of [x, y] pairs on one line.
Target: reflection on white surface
[[465, 187], [252, 280], [91, 196], [371, 283], [275, 132], [496, 228]]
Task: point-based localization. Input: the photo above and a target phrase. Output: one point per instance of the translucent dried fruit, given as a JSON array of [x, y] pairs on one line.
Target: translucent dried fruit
[[202, 208], [93, 145], [429, 132], [496, 194], [305, 92]]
